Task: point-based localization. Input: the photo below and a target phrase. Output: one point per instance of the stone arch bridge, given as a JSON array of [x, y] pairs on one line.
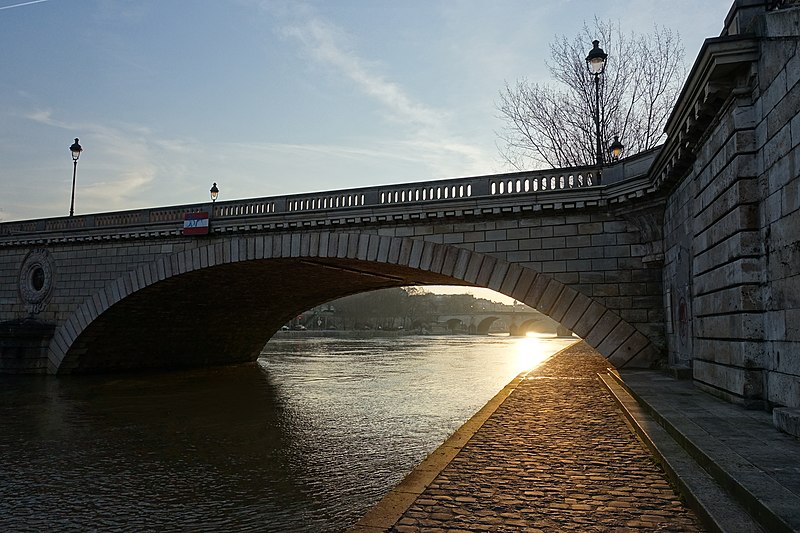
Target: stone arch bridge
[[133, 290], [686, 255], [480, 323]]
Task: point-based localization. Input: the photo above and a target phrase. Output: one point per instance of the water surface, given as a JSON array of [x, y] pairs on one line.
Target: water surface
[[307, 439]]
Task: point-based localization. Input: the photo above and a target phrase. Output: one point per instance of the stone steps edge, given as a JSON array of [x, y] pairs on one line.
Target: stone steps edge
[[755, 508], [717, 511]]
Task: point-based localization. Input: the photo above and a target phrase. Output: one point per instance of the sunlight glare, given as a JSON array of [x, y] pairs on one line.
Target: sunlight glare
[[531, 351]]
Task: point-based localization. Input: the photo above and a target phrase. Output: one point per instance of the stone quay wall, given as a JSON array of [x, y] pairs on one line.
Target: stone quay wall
[[732, 224]]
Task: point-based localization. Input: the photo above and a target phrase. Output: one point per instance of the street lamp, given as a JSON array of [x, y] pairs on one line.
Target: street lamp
[[214, 193], [76, 153], [596, 64], [616, 148]]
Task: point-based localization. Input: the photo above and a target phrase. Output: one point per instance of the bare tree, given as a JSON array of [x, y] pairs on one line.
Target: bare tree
[[553, 125]]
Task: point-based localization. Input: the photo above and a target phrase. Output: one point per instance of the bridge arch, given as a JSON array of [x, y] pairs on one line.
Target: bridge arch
[[484, 325], [456, 325], [526, 326], [220, 302]]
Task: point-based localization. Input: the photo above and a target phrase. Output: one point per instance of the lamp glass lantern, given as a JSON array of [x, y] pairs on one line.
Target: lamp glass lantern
[[596, 60], [616, 148], [76, 150], [214, 192]]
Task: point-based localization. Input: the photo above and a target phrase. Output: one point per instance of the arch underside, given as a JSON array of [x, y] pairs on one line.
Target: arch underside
[[185, 312], [223, 314], [485, 325]]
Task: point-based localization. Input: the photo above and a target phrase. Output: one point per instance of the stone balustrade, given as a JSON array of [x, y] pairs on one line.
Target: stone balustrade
[[404, 196]]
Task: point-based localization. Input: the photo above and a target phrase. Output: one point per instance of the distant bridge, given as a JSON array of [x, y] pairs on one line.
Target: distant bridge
[[518, 322]]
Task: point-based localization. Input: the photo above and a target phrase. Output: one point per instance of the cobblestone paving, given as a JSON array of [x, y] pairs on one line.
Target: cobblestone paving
[[555, 456]]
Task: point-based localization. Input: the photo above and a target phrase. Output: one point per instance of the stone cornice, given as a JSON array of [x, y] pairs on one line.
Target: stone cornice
[[722, 70]]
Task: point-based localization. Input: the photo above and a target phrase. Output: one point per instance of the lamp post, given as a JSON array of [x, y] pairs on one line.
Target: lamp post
[[214, 191], [76, 153], [596, 64]]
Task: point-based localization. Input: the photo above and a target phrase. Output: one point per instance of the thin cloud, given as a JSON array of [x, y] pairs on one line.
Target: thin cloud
[[324, 42], [430, 140], [23, 4], [43, 116]]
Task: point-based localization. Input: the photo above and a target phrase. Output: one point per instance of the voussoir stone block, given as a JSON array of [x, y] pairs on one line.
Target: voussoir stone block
[[602, 328], [588, 319], [486, 270], [576, 310], [462, 263], [537, 290], [647, 357], [405, 252], [437, 261], [562, 304], [526, 279], [511, 279], [498, 275], [426, 257], [616, 338], [550, 296]]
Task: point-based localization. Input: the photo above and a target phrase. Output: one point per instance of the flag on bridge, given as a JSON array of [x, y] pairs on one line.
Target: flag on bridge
[[195, 223]]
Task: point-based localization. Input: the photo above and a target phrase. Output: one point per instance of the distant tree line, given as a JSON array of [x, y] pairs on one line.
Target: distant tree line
[[392, 309]]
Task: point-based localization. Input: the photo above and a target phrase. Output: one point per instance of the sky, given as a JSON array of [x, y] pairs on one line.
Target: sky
[[272, 97]]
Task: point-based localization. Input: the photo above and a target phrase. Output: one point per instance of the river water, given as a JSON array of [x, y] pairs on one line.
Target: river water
[[307, 439]]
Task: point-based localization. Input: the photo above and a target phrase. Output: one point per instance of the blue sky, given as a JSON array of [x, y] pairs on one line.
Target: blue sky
[[271, 97]]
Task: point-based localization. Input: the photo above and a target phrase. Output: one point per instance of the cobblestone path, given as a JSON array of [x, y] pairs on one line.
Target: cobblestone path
[[555, 456]]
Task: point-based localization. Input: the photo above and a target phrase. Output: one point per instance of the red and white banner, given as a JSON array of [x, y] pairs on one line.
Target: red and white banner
[[195, 223]]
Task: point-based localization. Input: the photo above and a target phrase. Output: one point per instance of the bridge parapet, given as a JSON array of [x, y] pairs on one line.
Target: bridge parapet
[[532, 191], [458, 188]]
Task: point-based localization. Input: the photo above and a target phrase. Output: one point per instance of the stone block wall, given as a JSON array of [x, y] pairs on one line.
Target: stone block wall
[[777, 136], [593, 252], [732, 230], [75, 272], [587, 264]]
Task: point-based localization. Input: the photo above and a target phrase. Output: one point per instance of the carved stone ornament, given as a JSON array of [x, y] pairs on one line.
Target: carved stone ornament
[[649, 220], [36, 280]]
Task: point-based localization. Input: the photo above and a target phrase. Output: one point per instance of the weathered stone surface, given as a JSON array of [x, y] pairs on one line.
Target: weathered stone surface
[[787, 420], [562, 305], [588, 319], [734, 352], [783, 389], [740, 385]]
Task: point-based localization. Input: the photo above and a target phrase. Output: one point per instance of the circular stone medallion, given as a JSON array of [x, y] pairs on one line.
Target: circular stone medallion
[[36, 280]]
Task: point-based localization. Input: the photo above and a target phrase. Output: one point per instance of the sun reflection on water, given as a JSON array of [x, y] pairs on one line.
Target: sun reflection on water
[[533, 349]]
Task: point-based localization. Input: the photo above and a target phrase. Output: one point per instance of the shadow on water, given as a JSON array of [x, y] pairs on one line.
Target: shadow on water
[[204, 449]]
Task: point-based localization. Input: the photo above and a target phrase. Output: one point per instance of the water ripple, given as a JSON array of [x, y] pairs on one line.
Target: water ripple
[[306, 440]]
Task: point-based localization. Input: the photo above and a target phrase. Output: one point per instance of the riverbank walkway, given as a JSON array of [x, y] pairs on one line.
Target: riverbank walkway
[[559, 449]]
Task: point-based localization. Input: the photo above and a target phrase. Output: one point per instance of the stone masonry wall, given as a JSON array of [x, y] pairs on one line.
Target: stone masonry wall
[[713, 264], [594, 253], [732, 258], [590, 254], [778, 163]]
